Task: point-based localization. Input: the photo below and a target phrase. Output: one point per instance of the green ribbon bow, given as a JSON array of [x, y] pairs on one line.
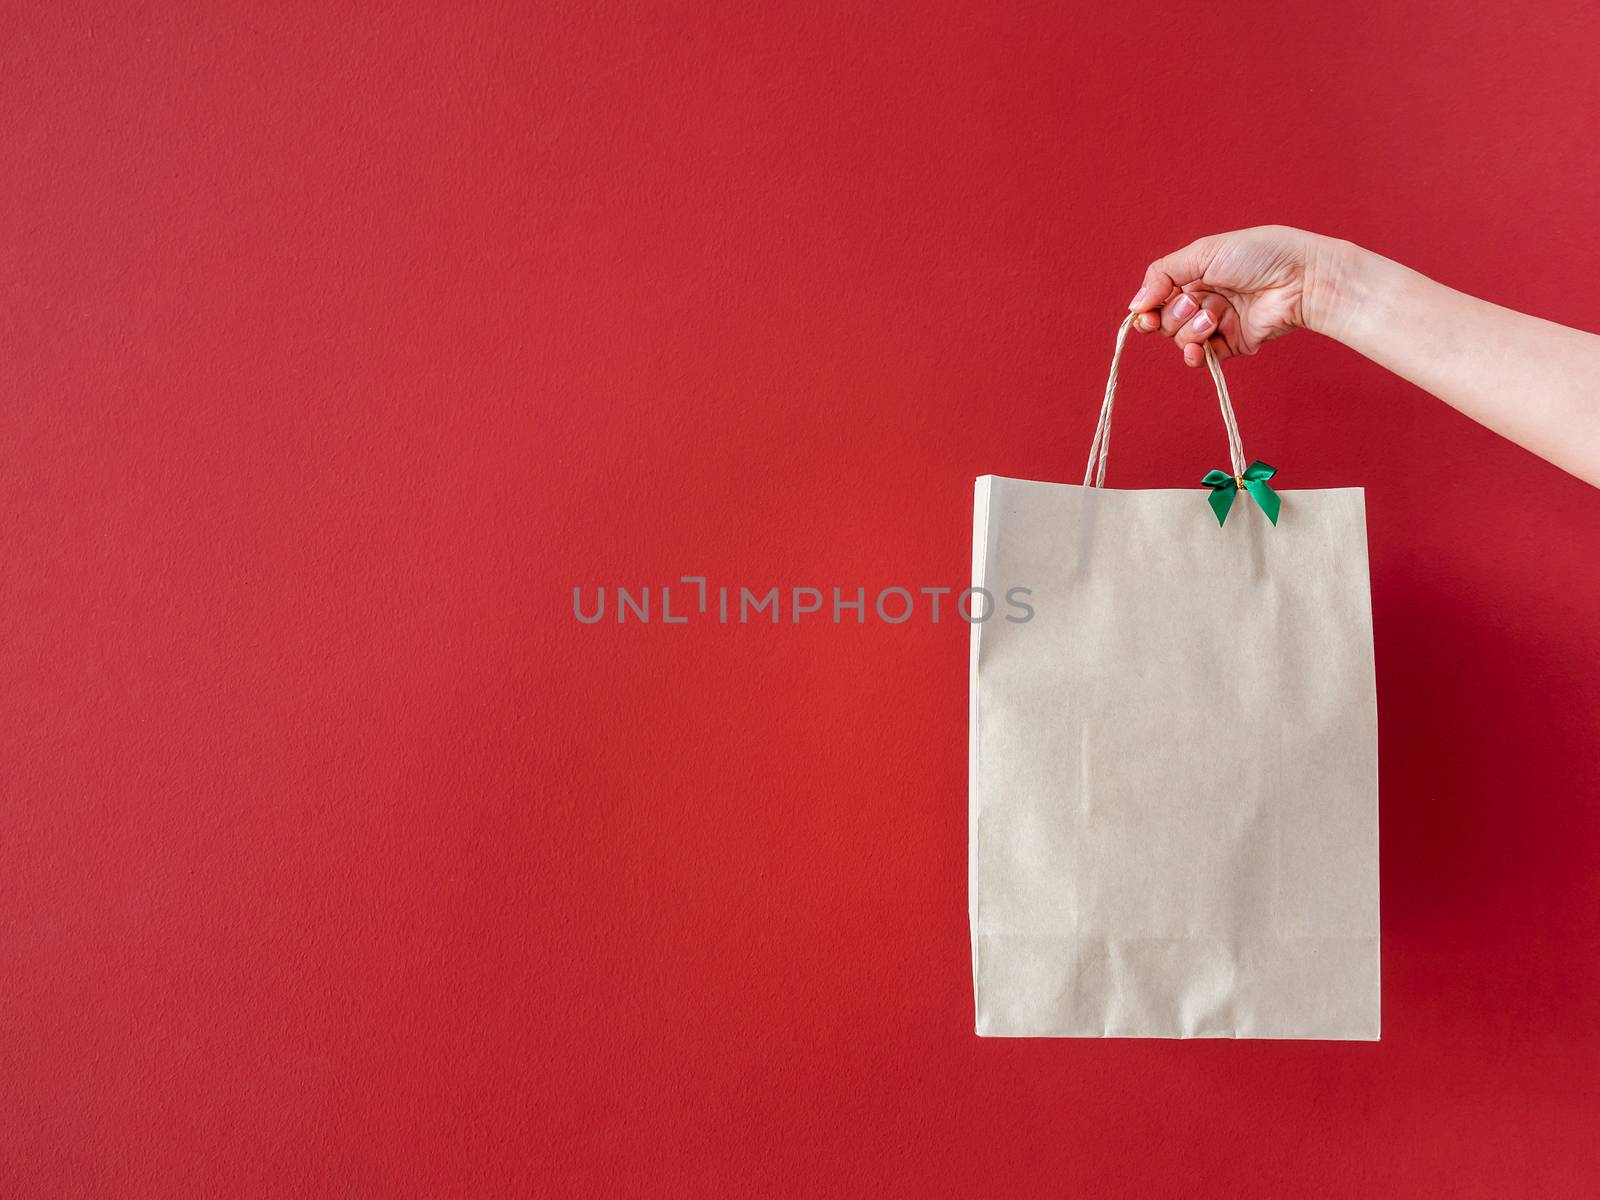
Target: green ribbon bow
[[1254, 480]]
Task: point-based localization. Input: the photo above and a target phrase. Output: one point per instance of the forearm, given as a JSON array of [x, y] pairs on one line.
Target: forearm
[[1533, 381]]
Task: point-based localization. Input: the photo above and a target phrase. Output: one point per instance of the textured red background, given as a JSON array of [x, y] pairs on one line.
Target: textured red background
[[339, 344]]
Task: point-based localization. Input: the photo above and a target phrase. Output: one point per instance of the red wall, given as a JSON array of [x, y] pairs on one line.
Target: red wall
[[337, 858]]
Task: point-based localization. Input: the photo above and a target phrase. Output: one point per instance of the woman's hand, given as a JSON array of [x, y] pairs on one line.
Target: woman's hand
[[1242, 289], [1529, 380]]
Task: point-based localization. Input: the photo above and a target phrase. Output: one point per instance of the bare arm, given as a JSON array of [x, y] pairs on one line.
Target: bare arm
[[1533, 381]]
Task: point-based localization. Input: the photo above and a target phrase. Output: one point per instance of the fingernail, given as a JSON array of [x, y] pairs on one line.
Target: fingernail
[[1139, 298], [1182, 307], [1201, 323]]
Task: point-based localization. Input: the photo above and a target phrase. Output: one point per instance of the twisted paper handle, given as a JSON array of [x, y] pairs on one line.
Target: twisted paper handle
[[1094, 474]]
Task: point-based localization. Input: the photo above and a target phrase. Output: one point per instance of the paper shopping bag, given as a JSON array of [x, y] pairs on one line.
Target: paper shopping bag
[[1173, 826]]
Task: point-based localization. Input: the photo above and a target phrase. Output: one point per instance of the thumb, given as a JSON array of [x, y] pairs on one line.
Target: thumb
[[1166, 277]]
